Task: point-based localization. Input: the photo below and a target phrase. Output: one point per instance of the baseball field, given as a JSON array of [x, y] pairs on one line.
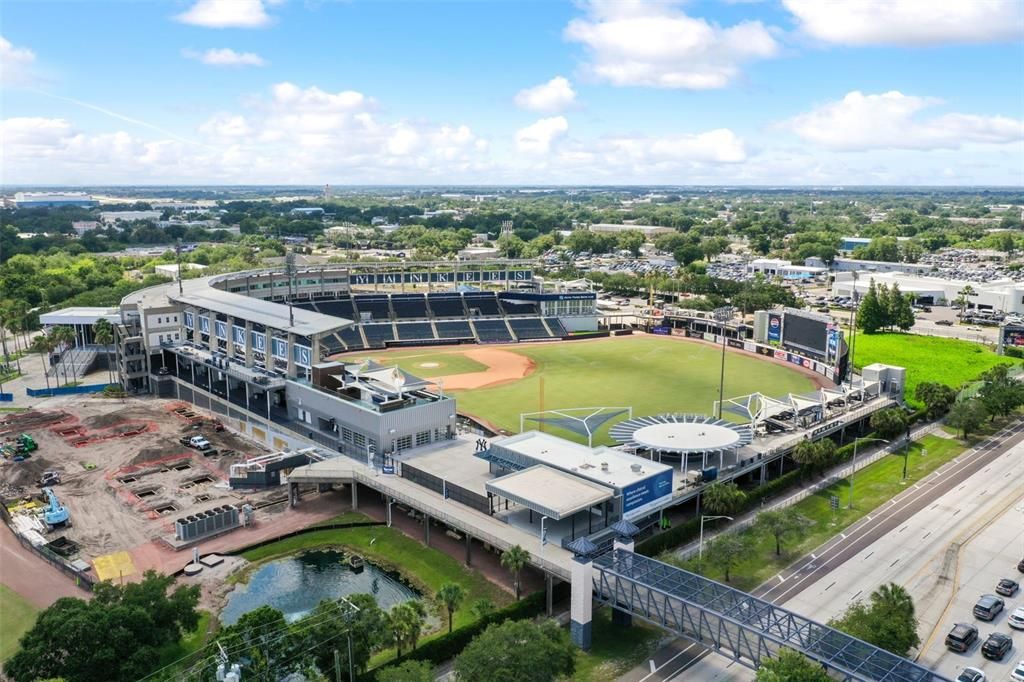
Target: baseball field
[[652, 374]]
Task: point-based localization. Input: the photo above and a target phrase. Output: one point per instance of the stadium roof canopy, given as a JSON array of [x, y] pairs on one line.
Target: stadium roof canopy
[[553, 493], [267, 313]]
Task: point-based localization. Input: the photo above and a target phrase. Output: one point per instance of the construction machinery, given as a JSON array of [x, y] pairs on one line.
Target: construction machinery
[[25, 443], [55, 514], [49, 478]]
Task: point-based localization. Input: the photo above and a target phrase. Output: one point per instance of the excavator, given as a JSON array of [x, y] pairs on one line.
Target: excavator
[[55, 514]]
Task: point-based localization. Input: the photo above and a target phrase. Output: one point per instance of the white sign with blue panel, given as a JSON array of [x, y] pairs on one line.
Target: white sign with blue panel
[[279, 348], [239, 334], [302, 356], [204, 324], [259, 341], [221, 329], [190, 321]]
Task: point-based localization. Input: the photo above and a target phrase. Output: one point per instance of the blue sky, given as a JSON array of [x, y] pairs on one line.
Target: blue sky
[[843, 92]]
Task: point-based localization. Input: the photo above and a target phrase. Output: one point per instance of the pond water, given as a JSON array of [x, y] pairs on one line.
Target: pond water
[[296, 584]]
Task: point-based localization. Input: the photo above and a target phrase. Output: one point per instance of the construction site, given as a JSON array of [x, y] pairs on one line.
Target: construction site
[[110, 488]]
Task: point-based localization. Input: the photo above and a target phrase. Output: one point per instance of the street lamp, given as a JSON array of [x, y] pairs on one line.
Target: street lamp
[[700, 544], [722, 315], [853, 471]]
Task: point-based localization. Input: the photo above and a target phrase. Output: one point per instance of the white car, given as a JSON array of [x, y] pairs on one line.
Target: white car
[[1016, 619], [1018, 672]]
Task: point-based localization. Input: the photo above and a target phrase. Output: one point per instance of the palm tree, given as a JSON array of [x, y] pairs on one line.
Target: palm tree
[[406, 623], [61, 336], [963, 297], [103, 334], [482, 607], [723, 498], [514, 559], [450, 596], [43, 344]]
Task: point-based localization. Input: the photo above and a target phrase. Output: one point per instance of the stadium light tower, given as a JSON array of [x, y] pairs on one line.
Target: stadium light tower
[[722, 315]]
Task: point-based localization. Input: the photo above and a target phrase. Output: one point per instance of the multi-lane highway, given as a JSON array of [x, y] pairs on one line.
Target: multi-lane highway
[[682, 660]]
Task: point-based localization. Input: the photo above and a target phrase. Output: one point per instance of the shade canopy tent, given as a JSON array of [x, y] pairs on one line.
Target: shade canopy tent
[[682, 434]]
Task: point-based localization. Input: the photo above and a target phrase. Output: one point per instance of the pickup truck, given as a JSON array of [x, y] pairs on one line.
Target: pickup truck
[[197, 442]]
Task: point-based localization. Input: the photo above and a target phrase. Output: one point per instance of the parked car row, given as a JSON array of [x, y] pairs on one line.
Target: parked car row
[[963, 636]]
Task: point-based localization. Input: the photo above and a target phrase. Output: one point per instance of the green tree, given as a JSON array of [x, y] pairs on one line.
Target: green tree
[[408, 671], [115, 636], [890, 423], [405, 621], [518, 650], [871, 313], [727, 550], [515, 559], [901, 312], [103, 334], [963, 298], [791, 666], [1000, 393], [966, 416], [812, 455], [887, 620], [482, 607], [630, 240], [937, 398], [723, 498], [511, 246], [318, 633], [43, 345], [783, 524], [450, 596], [263, 638]]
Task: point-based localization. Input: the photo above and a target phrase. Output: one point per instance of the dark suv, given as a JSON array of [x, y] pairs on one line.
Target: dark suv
[[996, 646], [962, 637], [988, 607]]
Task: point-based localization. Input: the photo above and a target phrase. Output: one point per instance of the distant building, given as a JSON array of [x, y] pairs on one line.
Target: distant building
[[171, 269], [111, 217], [82, 226], [776, 267], [479, 253], [308, 212], [648, 231], [53, 199]]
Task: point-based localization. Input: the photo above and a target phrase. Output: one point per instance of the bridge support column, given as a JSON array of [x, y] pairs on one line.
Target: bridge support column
[[355, 495], [549, 589], [387, 503], [623, 542], [469, 548], [581, 610], [293, 494], [426, 530]]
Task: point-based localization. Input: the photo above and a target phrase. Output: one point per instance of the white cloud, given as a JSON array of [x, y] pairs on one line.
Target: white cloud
[[860, 122], [909, 22], [538, 137], [715, 146], [658, 45], [15, 64], [224, 56], [554, 96], [225, 126], [226, 14]]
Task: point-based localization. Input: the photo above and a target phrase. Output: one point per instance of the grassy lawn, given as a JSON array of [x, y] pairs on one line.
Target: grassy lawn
[[187, 645], [440, 362], [18, 616], [424, 567], [653, 375], [927, 358], [615, 650], [873, 486]]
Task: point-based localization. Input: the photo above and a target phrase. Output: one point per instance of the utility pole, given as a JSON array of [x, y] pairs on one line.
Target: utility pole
[[177, 260]]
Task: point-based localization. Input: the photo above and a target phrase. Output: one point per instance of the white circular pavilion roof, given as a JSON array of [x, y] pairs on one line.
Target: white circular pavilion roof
[[682, 434]]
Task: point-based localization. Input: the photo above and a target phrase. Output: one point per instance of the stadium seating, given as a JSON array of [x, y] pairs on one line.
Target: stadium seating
[[340, 308], [375, 304], [446, 305], [351, 338], [453, 329], [331, 344], [415, 331], [527, 328], [486, 303], [556, 327], [377, 334], [409, 306], [511, 308], [492, 331]]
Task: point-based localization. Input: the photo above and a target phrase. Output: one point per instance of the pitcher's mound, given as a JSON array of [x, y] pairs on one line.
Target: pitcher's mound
[[429, 365]]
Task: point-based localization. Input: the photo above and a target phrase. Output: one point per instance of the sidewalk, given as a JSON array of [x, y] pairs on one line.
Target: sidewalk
[[868, 454]]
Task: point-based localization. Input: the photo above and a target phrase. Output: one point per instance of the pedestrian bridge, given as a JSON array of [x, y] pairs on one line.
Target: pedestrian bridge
[[736, 624]]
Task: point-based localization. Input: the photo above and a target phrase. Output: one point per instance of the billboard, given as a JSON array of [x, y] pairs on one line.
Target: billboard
[[806, 333], [646, 491], [774, 328]]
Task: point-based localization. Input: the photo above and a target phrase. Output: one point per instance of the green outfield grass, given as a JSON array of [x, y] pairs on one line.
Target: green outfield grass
[[17, 616], [927, 358], [440, 362], [651, 374]]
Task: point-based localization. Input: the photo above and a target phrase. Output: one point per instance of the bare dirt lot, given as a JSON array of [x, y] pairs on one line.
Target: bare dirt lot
[[125, 475]]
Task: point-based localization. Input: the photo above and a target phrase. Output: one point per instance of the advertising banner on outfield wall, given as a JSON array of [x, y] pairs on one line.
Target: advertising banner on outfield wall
[[734, 343], [664, 331], [774, 327]]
